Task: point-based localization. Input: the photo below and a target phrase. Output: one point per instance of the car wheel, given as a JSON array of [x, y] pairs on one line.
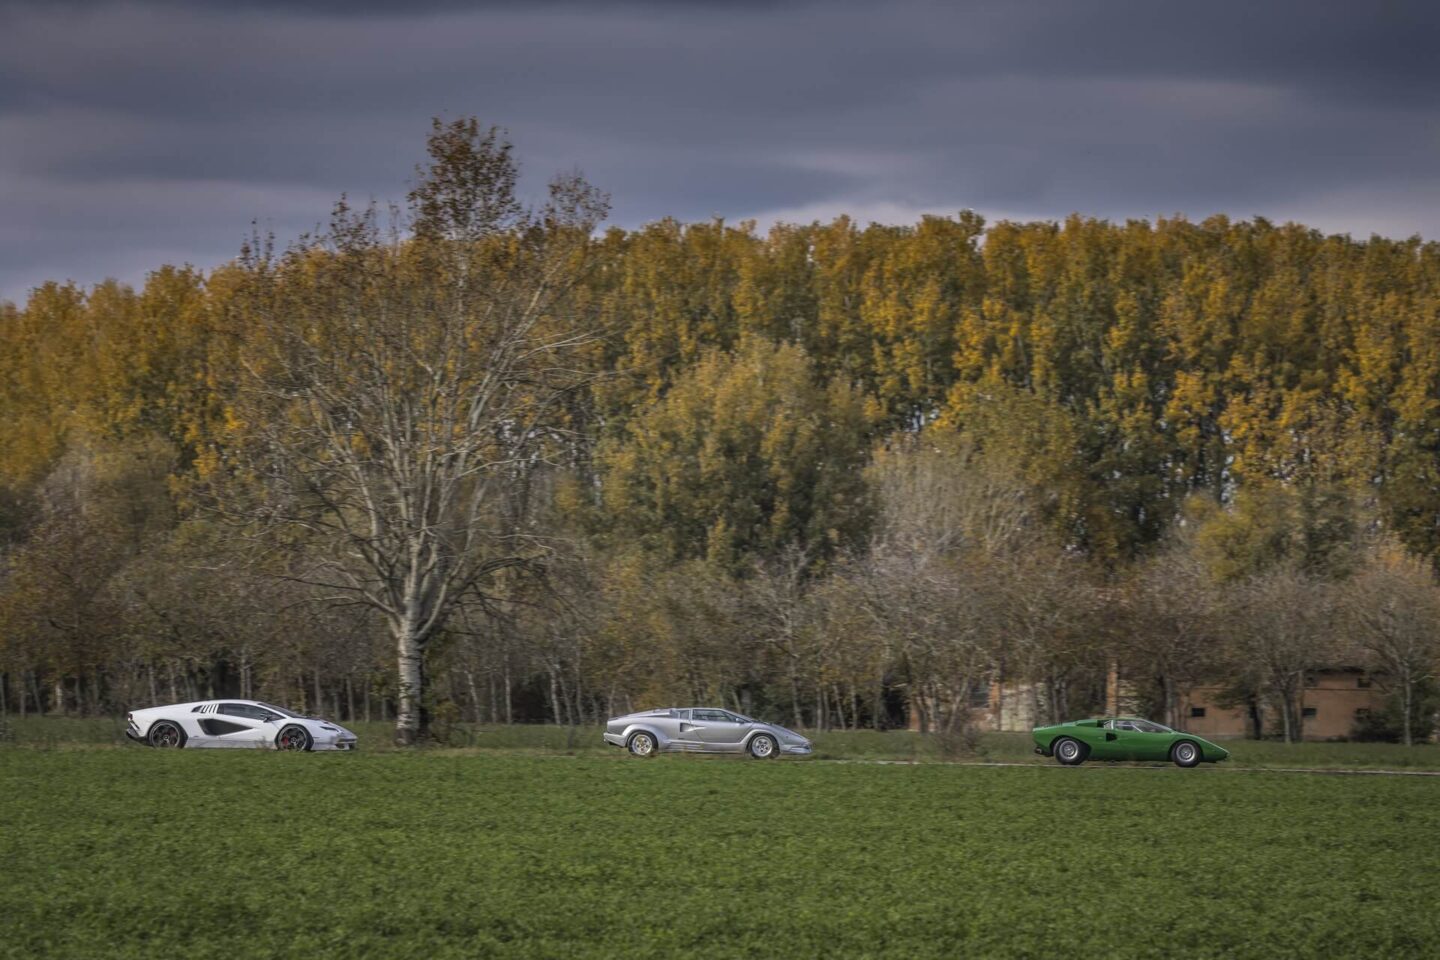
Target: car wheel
[[1069, 752], [642, 744], [293, 737], [1185, 754], [764, 747], [167, 734]]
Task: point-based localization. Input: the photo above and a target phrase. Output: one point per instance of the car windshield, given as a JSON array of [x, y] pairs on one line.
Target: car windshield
[[282, 711]]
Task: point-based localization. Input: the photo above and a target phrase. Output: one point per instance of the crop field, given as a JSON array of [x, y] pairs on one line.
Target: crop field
[[536, 739], [517, 853]]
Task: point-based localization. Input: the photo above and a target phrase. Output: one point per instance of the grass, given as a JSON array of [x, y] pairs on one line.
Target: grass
[[537, 739], [503, 853]]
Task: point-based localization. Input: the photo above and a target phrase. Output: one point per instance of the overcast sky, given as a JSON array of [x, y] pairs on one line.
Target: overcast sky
[[141, 133]]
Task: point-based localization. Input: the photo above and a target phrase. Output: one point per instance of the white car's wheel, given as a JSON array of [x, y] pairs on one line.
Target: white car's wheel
[[167, 734], [293, 737], [1185, 754], [642, 744], [764, 747]]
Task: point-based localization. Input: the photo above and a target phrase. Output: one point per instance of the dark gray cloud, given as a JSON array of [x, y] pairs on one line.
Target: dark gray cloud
[[138, 133]]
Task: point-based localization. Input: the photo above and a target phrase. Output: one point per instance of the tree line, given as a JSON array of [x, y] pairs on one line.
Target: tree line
[[469, 459]]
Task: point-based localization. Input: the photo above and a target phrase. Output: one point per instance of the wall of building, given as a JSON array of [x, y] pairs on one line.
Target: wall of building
[[1332, 702]]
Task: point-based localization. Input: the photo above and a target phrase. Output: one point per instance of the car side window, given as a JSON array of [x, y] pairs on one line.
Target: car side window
[[712, 716], [1125, 725], [243, 710]]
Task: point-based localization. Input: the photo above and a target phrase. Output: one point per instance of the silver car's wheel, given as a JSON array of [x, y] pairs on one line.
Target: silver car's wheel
[[293, 737], [763, 747], [1069, 752], [1185, 754], [642, 744], [167, 734]]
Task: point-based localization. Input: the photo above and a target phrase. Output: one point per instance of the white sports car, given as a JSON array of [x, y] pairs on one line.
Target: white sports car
[[234, 723]]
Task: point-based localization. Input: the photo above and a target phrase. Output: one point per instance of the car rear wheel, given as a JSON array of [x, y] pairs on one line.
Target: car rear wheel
[[764, 747], [293, 737], [1185, 754], [1069, 752], [642, 744], [168, 735]]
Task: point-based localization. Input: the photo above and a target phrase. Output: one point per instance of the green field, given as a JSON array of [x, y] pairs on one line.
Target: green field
[[69, 733], [521, 852]]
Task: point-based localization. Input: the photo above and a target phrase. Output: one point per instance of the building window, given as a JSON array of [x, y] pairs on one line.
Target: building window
[[1362, 682], [1362, 713], [1197, 711], [1307, 712]]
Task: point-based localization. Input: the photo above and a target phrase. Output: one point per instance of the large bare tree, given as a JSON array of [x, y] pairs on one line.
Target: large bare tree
[[1393, 607], [396, 384]]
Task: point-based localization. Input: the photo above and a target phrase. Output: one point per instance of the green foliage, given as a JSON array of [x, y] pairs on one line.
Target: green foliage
[[746, 455], [449, 855]]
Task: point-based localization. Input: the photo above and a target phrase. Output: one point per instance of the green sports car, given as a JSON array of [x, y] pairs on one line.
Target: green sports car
[[1123, 738]]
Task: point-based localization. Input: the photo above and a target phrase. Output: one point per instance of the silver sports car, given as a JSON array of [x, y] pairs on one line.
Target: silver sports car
[[701, 730]]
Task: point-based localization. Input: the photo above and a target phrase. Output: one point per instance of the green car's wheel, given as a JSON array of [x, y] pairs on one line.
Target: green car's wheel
[[1069, 752], [1185, 754], [642, 744]]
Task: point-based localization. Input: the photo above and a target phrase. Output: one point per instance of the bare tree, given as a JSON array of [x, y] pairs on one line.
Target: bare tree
[[1283, 629], [1393, 608], [396, 387], [1171, 601]]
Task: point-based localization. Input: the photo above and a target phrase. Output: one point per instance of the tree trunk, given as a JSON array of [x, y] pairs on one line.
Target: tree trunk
[[1407, 706], [509, 710], [411, 722], [476, 707]]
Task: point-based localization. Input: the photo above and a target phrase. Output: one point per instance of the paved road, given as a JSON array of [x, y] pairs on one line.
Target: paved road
[[1331, 771]]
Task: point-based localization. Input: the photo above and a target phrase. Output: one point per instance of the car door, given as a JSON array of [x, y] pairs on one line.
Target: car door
[[1153, 741], [1128, 742], [719, 731], [686, 733], [238, 725]]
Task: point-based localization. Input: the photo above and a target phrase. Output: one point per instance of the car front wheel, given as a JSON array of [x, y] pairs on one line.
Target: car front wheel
[[293, 738], [642, 744], [167, 734], [1185, 754], [763, 747], [1069, 752]]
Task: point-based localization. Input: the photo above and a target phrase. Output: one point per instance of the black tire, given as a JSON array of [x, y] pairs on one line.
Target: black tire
[[1186, 753], [166, 734], [293, 737], [642, 744], [764, 747], [1069, 752]]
